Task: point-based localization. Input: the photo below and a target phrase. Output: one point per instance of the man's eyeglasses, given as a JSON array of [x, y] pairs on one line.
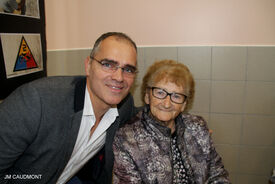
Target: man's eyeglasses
[[160, 93], [111, 66]]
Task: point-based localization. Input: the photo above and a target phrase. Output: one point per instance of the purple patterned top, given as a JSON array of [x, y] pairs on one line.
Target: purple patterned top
[[143, 154]]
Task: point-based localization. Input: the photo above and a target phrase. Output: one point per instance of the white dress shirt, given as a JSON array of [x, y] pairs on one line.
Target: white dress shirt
[[86, 147]]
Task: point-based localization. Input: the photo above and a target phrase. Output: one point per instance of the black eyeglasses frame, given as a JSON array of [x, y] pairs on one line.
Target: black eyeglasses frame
[[167, 93]]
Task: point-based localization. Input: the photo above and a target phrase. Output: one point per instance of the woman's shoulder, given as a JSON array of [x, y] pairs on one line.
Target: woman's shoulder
[[132, 124], [195, 126], [131, 133], [193, 121]]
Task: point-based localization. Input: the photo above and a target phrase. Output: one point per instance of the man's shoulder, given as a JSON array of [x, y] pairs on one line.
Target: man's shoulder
[[49, 88], [54, 84], [58, 81]]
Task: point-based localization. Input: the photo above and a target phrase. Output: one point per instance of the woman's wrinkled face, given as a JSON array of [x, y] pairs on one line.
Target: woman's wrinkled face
[[165, 110]]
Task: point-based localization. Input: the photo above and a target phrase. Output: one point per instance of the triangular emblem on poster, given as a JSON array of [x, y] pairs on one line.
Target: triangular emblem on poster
[[25, 59]]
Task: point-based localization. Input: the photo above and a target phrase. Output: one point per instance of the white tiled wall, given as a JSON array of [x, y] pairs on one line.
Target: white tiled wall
[[261, 64], [229, 63], [196, 58], [235, 93], [66, 62], [202, 96], [260, 98], [226, 127], [227, 96]]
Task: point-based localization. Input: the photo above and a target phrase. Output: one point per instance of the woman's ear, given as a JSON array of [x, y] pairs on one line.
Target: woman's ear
[[87, 66], [183, 106], [146, 97]]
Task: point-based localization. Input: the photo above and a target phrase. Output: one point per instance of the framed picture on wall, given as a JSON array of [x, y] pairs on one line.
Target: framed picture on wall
[[22, 43]]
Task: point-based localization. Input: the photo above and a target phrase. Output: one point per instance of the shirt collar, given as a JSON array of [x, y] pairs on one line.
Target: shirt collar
[[88, 107]]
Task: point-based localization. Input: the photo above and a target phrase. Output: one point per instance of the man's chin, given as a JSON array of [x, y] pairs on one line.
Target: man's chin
[[114, 99], [113, 102]]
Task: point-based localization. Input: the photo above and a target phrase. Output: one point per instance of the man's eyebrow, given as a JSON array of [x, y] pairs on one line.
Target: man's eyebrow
[[110, 60], [128, 65], [116, 62]]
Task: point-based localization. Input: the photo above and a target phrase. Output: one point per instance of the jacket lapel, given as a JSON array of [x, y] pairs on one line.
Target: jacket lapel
[[79, 95]]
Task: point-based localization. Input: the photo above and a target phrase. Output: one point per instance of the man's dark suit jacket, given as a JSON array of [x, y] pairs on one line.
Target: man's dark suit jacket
[[39, 123]]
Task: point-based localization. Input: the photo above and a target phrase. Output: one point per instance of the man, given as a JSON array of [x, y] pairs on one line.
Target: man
[[51, 127]]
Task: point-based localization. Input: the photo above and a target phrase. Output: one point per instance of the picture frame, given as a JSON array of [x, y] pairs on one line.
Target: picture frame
[[22, 43]]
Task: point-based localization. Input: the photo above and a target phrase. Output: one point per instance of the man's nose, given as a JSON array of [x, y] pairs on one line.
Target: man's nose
[[118, 75]]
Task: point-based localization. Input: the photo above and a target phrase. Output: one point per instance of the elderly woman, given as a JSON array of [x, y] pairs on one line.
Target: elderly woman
[[163, 143]]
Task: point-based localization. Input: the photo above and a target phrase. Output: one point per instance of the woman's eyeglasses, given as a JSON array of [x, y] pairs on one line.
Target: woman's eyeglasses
[[160, 93]]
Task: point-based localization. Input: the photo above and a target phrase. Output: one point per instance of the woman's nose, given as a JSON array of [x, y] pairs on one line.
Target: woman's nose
[[167, 101]]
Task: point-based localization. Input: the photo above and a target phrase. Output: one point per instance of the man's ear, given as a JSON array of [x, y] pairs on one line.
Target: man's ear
[[146, 97], [87, 66]]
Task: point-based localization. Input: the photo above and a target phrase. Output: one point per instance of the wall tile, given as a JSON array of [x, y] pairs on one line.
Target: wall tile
[[226, 128], [66, 62], [259, 130], [153, 54], [251, 179], [256, 160], [261, 63], [227, 97], [140, 64], [229, 155], [202, 94], [197, 59], [136, 92], [260, 98], [232, 177], [229, 63]]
